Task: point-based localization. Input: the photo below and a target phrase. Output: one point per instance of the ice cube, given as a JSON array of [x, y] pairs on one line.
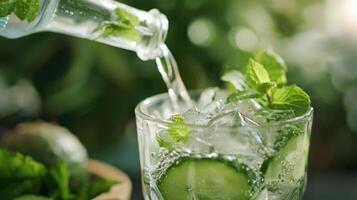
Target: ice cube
[[195, 116], [231, 115], [231, 118], [247, 106], [200, 144], [206, 97], [201, 116], [242, 143], [213, 108]]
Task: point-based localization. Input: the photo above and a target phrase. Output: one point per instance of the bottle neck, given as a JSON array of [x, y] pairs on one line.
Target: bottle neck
[[108, 22], [151, 48]]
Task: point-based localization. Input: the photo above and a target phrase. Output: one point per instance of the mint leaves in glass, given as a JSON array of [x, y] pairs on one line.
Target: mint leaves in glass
[[248, 140]]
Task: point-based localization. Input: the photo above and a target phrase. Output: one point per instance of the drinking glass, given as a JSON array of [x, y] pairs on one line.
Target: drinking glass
[[218, 161]]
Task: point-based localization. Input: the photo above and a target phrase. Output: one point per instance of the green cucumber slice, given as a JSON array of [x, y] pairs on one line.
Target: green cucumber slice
[[289, 164], [204, 179]]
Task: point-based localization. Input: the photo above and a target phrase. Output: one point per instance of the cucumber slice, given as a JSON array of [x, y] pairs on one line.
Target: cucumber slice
[[204, 179], [289, 164]]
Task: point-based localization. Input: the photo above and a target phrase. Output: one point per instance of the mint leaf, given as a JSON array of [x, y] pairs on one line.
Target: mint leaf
[[235, 78], [123, 27], [19, 174], [23, 9], [290, 98], [115, 29], [26, 9], [176, 132], [126, 18], [34, 6], [6, 7], [177, 118], [274, 65], [257, 76]]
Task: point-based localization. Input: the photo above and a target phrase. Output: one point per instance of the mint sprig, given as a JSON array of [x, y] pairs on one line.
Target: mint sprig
[[124, 26], [274, 65], [266, 78], [176, 132], [23, 9]]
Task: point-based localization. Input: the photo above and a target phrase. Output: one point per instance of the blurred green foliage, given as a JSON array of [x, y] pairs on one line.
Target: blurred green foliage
[[93, 89]]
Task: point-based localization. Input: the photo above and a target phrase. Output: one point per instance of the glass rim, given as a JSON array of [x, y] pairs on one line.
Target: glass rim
[[307, 116]]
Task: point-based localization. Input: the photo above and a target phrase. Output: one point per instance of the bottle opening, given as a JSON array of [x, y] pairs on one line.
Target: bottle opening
[[150, 48]]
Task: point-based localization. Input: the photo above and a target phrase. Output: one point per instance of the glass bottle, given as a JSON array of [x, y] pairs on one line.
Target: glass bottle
[[105, 21]]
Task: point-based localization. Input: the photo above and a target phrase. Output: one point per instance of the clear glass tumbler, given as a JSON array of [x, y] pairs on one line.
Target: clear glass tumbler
[[262, 162]]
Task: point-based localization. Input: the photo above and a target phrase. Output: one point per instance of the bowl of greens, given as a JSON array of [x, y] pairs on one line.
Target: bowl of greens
[[44, 161]]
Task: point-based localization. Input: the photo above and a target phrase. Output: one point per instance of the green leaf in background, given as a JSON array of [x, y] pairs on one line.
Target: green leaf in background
[[274, 65], [290, 98], [23, 178], [31, 197], [59, 181], [257, 76], [20, 175]]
